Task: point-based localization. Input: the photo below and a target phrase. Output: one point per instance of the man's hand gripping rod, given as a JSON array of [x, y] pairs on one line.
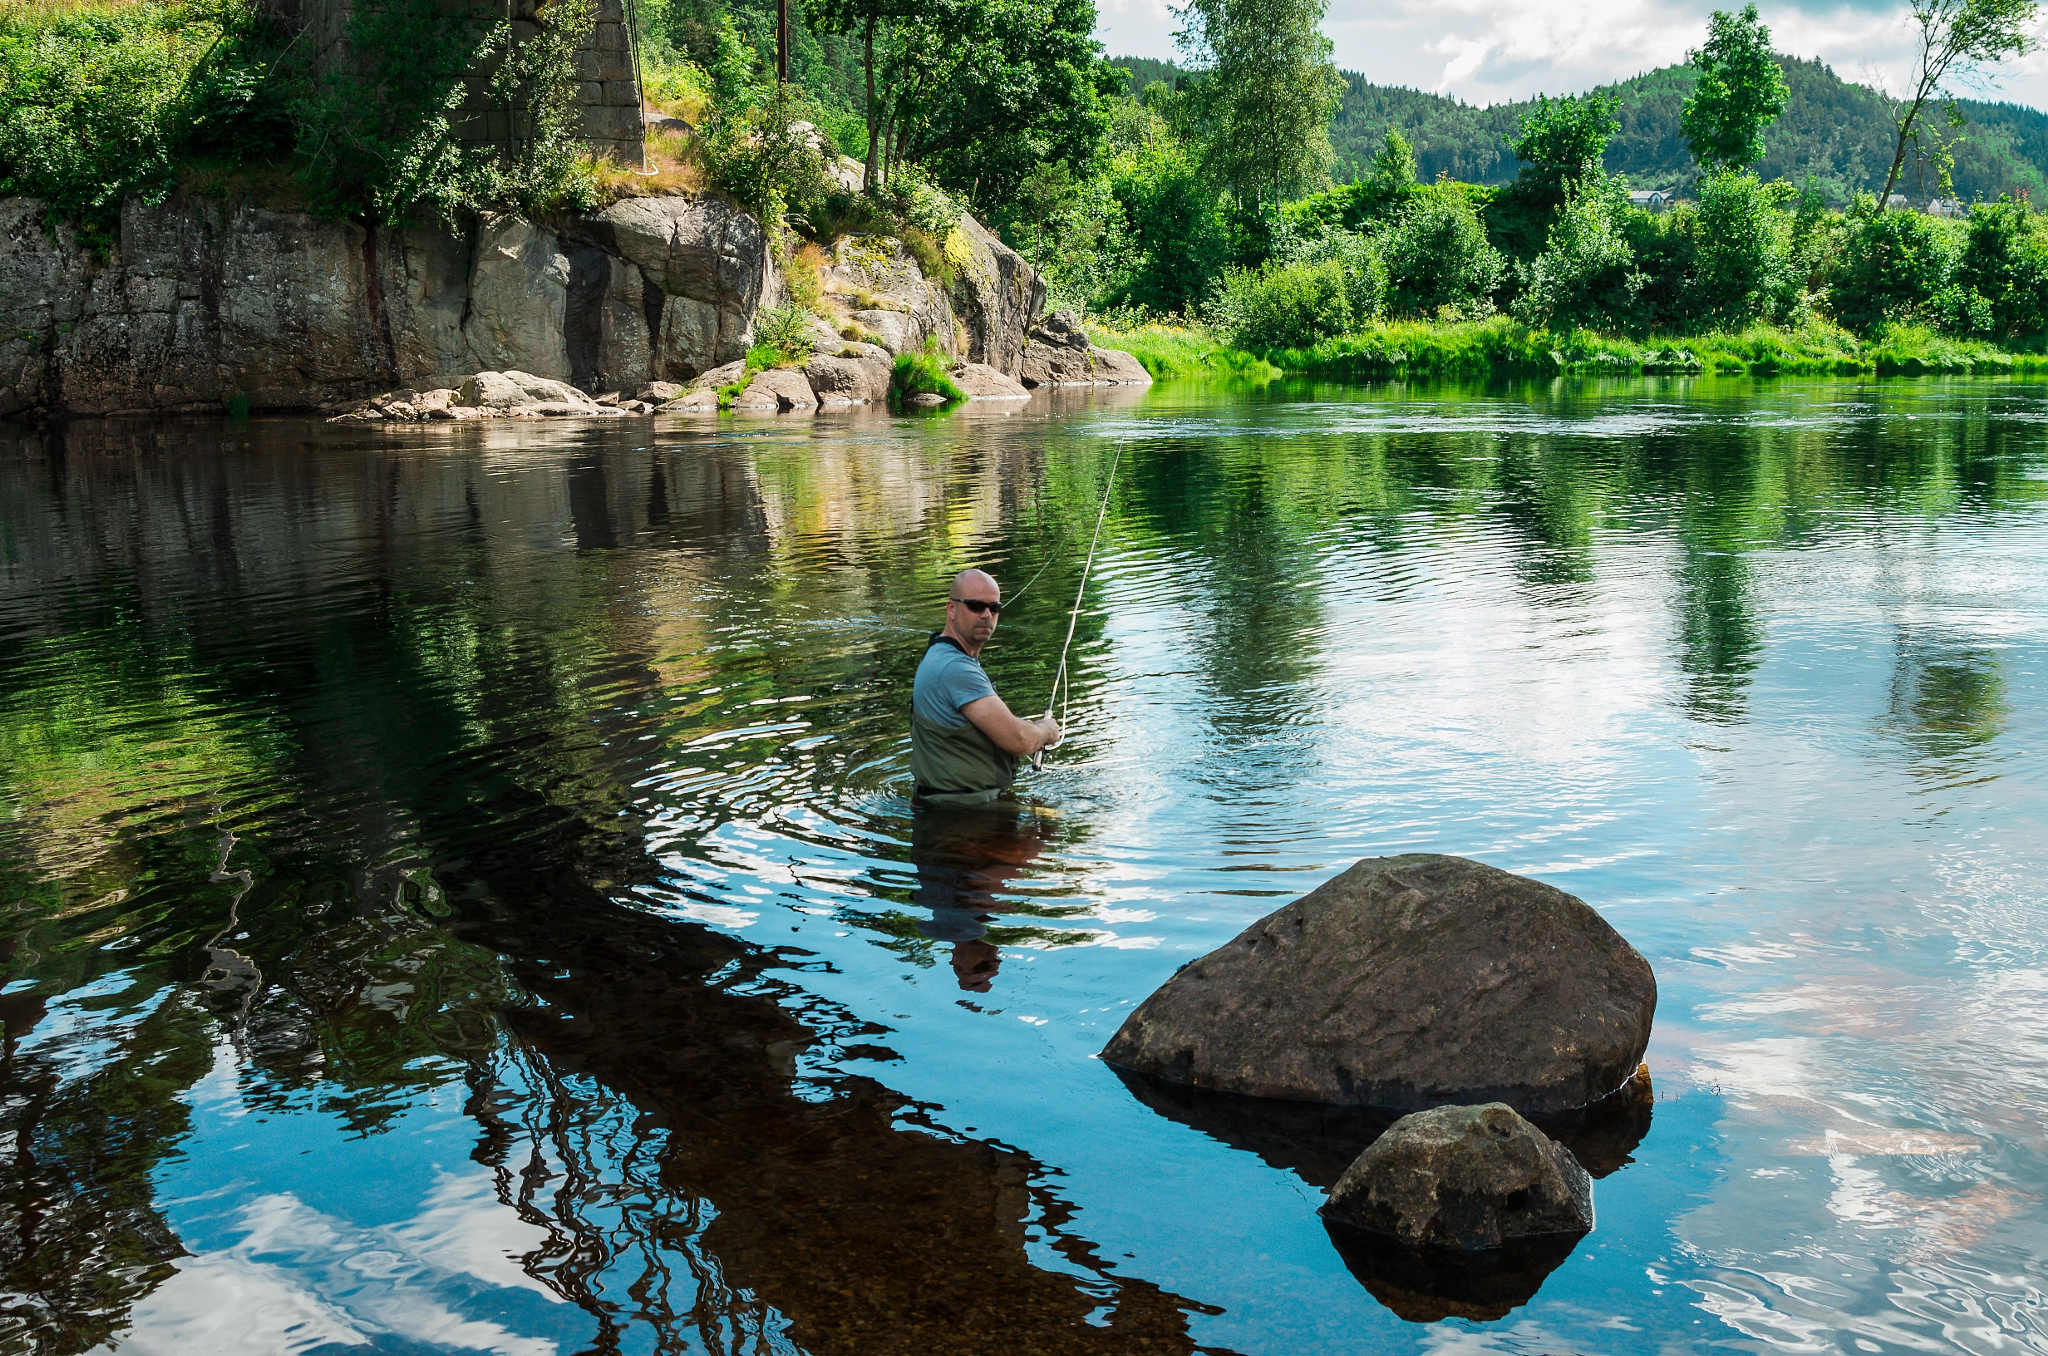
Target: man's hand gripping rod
[[1073, 618]]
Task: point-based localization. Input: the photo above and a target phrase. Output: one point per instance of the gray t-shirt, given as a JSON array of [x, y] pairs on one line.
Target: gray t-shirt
[[946, 681]]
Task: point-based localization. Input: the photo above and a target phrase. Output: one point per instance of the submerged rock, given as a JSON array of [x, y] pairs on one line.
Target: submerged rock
[[1464, 1177], [1407, 982]]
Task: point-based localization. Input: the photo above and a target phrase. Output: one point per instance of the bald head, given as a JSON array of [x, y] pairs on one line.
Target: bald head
[[972, 606], [984, 583]]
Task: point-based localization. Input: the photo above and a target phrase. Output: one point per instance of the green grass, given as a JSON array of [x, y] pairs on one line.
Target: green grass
[[923, 374], [1182, 351], [1420, 348]]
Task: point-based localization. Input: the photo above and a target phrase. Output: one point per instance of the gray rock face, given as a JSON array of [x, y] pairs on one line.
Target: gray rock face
[[1059, 365], [703, 270], [724, 375], [203, 303], [858, 374], [778, 388], [1057, 353], [979, 381], [1407, 982], [1464, 1177]]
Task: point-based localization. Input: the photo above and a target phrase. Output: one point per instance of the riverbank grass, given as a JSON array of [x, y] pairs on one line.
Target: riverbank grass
[[1421, 348]]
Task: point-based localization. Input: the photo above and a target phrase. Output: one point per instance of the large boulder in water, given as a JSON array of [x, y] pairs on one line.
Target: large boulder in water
[[1464, 1177], [1407, 982]]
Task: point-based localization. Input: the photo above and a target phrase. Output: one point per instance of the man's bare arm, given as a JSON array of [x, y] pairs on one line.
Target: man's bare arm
[[1017, 737]]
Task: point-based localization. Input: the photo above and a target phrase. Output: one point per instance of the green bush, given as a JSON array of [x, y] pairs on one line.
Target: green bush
[[782, 337], [1177, 243], [1585, 278], [919, 203], [923, 374], [93, 105], [1281, 306], [378, 138], [1742, 252], [763, 144], [98, 104], [1894, 268], [2005, 268], [1437, 258]]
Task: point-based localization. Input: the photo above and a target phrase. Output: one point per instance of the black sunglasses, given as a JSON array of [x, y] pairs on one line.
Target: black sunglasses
[[977, 606]]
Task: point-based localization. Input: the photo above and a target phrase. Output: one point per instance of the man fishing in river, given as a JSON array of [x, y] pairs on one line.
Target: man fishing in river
[[964, 740]]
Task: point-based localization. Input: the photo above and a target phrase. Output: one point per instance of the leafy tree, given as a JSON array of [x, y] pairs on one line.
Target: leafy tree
[[864, 18], [1584, 276], [1741, 91], [1956, 37], [1439, 262], [89, 104], [1892, 266], [2005, 265], [1560, 138], [1177, 241], [981, 90], [1742, 251], [1268, 91]]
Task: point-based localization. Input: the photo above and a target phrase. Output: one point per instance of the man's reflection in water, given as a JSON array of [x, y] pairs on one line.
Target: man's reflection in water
[[964, 857]]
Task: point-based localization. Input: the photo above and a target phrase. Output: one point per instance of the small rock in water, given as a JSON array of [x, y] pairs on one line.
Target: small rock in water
[[1407, 982], [926, 400], [1464, 1177]]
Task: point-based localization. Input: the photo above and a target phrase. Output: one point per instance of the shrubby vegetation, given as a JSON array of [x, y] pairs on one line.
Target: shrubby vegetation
[[101, 100]]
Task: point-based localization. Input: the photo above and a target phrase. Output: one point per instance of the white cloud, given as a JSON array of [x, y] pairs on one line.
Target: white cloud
[[1485, 51], [300, 1279]]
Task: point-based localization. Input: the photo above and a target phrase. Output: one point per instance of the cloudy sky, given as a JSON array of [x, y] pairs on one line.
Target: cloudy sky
[[1484, 51]]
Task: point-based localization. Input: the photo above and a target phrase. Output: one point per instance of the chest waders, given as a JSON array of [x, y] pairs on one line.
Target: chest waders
[[956, 764]]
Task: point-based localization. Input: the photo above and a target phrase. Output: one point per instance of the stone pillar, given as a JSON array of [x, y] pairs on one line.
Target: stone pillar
[[607, 93]]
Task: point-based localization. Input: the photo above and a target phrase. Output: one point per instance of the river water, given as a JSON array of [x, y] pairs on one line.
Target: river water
[[462, 895]]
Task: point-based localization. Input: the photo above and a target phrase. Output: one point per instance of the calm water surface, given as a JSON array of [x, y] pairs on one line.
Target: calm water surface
[[461, 893]]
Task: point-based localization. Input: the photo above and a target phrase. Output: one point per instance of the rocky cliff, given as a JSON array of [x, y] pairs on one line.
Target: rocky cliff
[[204, 304]]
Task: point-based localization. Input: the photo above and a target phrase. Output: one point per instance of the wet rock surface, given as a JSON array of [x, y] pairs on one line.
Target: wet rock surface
[[1468, 1177], [1407, 982]]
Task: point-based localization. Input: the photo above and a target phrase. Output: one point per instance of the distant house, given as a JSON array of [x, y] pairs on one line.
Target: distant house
[[1946, 207], [1650, 199], [1898, 202]]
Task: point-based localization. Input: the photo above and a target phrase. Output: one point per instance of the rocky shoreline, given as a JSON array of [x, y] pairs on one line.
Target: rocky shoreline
[[204, 306]]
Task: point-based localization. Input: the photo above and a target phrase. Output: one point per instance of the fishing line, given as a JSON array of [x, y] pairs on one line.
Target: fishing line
[[1060, 674]]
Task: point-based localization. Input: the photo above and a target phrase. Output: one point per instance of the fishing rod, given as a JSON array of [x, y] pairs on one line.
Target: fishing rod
[[1074, 617]]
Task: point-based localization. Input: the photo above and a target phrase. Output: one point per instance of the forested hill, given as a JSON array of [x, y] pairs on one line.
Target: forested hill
[[1838, 133]]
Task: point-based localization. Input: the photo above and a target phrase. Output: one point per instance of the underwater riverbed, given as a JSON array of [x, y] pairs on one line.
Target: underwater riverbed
[[460, 890]]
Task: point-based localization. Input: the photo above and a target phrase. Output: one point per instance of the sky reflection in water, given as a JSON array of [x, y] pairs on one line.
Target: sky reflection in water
[[465, 897]]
